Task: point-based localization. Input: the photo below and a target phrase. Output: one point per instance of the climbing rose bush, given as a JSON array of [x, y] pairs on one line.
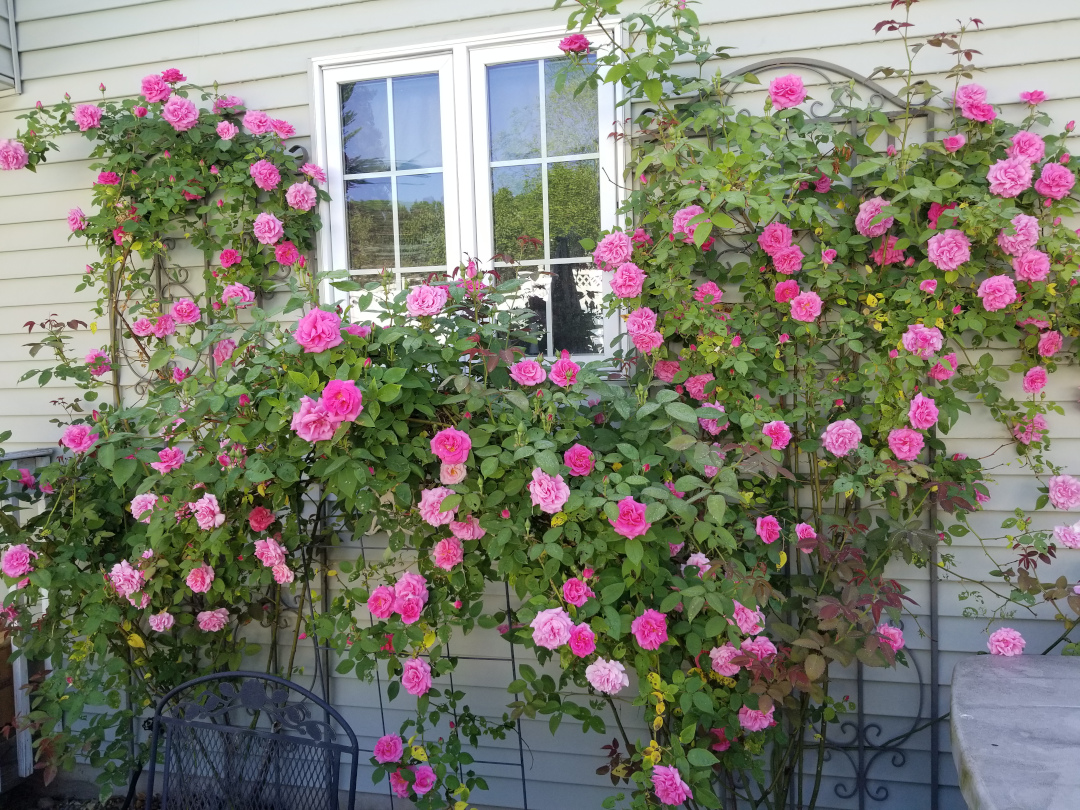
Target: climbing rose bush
[[696, 539]]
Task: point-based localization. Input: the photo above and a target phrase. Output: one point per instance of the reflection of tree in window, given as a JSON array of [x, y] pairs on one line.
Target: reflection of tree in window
[[363, 127], [423, 238]]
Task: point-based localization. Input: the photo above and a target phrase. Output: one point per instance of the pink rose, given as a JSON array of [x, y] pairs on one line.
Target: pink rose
[[696, 560], [760, 647], [1030, 430], [997, 292], [108, 179], [424, 300], [1027, 146], [200, 579], [260, 518], [1032, 265], [928, 286], [1069, 537], [756, 720], [270, 552], [608, 677], [774, 237], [399, 784], [87, 116], [667, 369], [695, 386], [712, 426], [169, 459], [885, 254], [185, 311], [614, 250], [360, 330], [548, 492], [948, 250], [301, 196], [223, 351], [239, 294], [318, 331], [627, 281], [424, 778], [160, 622], [181, 113], [582, 641], [267, 228], [869, 211], [768, 529], [1033, 97], [564, 370], [779, 434], [125, 579], [579, 459], [447, 553], [164, 326], [342, 400], [828, 256], [467, 529], [229, 257], [78, 438], [806, 307], [641, 320], [708, 293], [640, 238], [785, 291], [1024, 236], [207, 512], [923, 412], [1006, 641], [1035, 380], [749, 621], [265, 174], [410, 584], [953, 142], [13, 156], [936, 210], [527, 373], [76, 219], [381, 602], [1055, 181], [313, 422], [211, 621], [97, 362], [631, 521], [282, 128], [16, 561], [258, 122], [140, 505], [804, 531], [551, 628], [646, 342], [576, 592], [430, 506], [788, 260], [787, 91], [1049, 343], [451, 446], [842, 437], [922, 341], [681, 222], [575, 43], [668, 785], [1009, 177], [1064, 492], [650, 629], [721, 660], [892, 636], [979, 111], [906, 443], [388, 748], [227, 130]]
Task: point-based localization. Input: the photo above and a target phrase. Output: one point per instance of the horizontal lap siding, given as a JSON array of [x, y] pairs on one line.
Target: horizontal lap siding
[[261, 51]]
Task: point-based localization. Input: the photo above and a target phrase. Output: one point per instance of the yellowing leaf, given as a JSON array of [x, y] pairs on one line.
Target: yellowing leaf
[[93, 328], [136, 642], [419, 753], [783, 560], [429, 639], [657, 723]]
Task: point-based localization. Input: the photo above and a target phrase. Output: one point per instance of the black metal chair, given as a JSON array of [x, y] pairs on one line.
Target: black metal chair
[[239, 744]]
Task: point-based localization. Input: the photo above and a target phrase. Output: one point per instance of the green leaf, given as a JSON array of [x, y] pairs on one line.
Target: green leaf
[[388, 393], [652, 89], [684, 441], [123, 469], [518, 400], [948, 180], [865, 167], [160, 358], [106, 455], [681, 412], [634, 550], [700, 758], [717, 507]]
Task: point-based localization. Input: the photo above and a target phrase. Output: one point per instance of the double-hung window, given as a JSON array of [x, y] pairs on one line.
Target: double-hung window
[[474, 150]]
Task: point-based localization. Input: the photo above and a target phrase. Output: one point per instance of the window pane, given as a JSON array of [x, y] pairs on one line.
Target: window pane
[[421, 220], [371, 224], [365, 127], [517, 206], [571, 120], [417, 135], [573, 206], [531, 295], [514, 110], [576, 313]]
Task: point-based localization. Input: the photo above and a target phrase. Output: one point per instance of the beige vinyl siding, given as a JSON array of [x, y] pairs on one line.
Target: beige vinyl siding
[[261, 51]]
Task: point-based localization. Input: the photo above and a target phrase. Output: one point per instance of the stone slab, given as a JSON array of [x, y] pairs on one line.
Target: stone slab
[[1016, 732]]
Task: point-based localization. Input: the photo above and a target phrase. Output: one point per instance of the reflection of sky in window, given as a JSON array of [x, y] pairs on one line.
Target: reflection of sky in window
[[517, 179], [414, 188], [417, 136], [365, 125], [514, 110], [366, 190]]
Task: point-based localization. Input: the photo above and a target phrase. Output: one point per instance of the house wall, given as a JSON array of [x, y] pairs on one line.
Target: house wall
[[261, 51]]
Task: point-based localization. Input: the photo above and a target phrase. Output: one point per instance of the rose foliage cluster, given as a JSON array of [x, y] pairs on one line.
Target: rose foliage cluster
[[697, 537]]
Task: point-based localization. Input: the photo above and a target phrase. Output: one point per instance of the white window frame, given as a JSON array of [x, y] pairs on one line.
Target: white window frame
[[461, 65]]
